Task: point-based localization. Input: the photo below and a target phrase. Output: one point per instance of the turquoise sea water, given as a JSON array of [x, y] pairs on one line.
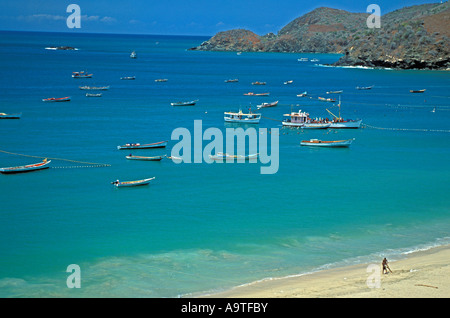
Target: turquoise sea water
[[207, 227]]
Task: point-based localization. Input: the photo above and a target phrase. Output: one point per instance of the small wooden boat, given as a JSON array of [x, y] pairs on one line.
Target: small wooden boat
[[190, 103], [304, 94], [332, 100], [259, 83], [263, 105], [120, 184], [98, 88], [27, 168], [303, 59], [53, 99], [156, 158], [128, 78], [161, 144], [333, 143], [418, 91], [10, 116], [288, 82], [161, 80], [364, 87], [334, 92], [225, 156], [81, 74], [232, 80], [93, 95], [256, 94]]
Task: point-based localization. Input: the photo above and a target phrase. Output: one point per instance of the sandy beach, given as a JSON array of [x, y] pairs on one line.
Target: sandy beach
[[424, 274]]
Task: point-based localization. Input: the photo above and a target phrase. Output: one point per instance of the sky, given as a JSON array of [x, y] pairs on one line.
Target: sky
[[173, 17]]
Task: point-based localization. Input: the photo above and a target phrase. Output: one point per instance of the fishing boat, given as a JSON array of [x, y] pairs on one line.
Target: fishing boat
[[288, 82], [95, 88], [232, 80], [133, 55], [93, 95], [334, 92], [323, 99], [418, 91], [314, 60], [161, 144], [27, 168], [81, 74], [296, 119], [161, 80], [304, 94], [10, 116], [339, 122], [364, 87], [256, 94], [64, 48], [332, 143], [53, 99], [142, 158], [120, 184], [303, 59], [190, 103], [263, 105], [259, 83], [240, 117], [224, 156], [128, 78]]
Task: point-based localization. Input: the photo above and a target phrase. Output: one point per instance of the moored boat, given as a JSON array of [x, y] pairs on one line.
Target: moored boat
[[81, 74], [189, 103], [240, 117], [304, 94], [256, 94], [364, 87], [161, 80], [418, 91], [128, 78], [332, 100], [288, 82], [135, 183], [10, 116], [93, 95], [161, 144], [332, 143], [98, 88], [224, 156], [334, 92], [339, 122], [296, 119], [259, 83], [232, 80], [142, 158], [53, 99], [133, 55], [263, 105], [27, 168]]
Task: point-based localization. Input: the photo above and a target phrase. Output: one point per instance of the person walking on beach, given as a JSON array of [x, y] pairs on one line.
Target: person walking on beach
[[385, 266]]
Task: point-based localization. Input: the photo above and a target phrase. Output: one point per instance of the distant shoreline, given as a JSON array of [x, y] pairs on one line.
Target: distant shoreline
[[424, 274]]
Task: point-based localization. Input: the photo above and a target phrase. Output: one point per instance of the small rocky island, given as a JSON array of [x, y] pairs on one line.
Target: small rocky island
[[415, 37]]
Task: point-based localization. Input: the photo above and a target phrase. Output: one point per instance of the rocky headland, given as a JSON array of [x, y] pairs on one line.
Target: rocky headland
[[415, 37]]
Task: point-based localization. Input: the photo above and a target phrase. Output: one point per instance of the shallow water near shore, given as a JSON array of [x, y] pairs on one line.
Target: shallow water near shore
[[206, 227]]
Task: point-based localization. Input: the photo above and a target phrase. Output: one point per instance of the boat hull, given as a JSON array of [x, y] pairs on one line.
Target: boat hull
[[141, 158], [161, 144], [136, 183], [10, 116], [354, 124], [26, 168], [329, 144], [242, 121]]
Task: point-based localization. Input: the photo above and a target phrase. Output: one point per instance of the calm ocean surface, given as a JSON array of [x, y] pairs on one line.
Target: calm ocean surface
[[207, 227]]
